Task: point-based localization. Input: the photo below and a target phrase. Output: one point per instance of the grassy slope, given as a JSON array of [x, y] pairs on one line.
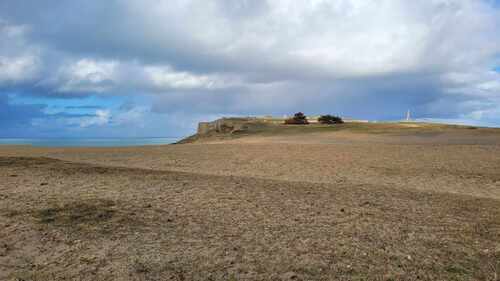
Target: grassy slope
[[266, 130]]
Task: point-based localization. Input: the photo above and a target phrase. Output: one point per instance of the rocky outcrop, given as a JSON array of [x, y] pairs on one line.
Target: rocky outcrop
[[233, 127], [225, 126]]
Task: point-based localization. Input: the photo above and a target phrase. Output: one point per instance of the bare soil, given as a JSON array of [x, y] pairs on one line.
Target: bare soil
[[336, 205]]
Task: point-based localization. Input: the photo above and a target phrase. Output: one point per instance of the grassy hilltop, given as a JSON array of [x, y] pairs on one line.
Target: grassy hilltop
[[236, 128]]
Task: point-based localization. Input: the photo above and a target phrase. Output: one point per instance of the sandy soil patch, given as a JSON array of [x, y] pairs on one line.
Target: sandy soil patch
[[65, 221]]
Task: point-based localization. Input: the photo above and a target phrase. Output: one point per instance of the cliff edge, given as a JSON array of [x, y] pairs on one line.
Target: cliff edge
[[226, 128]]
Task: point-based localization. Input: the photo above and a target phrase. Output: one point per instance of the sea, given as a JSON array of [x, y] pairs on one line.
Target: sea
[[87, 142]]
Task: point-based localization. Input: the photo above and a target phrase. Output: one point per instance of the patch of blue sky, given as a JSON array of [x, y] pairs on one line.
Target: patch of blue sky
[[495, 3], [77, 106]]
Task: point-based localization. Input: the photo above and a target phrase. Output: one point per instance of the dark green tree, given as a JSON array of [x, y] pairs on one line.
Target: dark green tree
[[330, 119], [298, 119]]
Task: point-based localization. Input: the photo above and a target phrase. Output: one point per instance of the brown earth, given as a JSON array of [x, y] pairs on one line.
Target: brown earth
[[379, 203]]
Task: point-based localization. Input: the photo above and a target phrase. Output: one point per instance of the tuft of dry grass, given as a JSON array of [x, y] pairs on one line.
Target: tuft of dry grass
[[80, 214]]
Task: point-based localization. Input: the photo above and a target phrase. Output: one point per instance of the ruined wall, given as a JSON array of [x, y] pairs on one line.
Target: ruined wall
[[224, 125], [205, 127]]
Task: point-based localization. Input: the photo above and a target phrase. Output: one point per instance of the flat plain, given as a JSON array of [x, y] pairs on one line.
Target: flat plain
[[346, 202]]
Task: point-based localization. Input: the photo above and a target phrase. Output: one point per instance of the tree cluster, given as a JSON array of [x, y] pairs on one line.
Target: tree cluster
[[330, 119], [298, 119]]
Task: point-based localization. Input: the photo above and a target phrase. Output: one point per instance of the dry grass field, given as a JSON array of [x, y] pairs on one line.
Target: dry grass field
[[352, 202]]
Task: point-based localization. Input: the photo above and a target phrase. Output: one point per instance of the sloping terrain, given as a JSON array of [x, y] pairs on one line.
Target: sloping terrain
[[69, 221], [360, 202], [253, 130]]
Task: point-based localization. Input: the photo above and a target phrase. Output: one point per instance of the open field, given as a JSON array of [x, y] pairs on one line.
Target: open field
[[353, 202]]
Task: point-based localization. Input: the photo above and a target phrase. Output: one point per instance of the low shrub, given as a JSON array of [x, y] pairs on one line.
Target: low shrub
[[330, 119]]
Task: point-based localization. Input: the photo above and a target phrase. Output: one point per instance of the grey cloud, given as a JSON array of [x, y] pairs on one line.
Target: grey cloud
[[192, 35], [367, 59], [381, 98]]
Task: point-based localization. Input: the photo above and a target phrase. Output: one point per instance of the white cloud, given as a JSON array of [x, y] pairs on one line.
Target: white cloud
[[18, 69], [108, 76], [165, 78], [19, 62], [85, 75], [332, 38], [281, 40], [101, 118], [474, 82]]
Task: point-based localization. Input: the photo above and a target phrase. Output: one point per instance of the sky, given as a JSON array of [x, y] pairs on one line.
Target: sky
[[154, 68]]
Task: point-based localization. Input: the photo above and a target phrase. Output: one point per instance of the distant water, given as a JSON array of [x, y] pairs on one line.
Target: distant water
[[87, 142]]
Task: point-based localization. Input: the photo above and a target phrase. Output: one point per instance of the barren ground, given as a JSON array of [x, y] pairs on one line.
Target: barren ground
[[327, 205]]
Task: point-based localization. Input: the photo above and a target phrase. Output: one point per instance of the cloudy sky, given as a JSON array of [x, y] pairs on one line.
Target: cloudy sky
[[142, 68]]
